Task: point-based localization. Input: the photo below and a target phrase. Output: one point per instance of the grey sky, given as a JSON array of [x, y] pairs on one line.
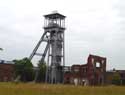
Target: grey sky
[[93, 27]]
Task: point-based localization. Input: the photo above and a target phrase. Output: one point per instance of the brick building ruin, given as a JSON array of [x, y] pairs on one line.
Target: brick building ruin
[[6, 71], [92, 73]]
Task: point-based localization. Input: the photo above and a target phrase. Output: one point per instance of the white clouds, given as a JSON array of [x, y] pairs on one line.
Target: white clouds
[[93, 26]]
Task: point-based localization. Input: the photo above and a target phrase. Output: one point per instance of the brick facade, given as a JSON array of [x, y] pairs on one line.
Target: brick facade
[[92, 73], [6, 72]]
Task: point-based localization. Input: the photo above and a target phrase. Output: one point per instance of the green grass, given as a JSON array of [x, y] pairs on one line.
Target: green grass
[[47, 89]]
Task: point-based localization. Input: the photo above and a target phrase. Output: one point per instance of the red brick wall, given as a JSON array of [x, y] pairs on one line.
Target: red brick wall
[[94, 75], [6, 72]]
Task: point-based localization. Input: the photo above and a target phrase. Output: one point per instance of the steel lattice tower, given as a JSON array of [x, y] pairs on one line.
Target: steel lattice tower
[[54, 27]]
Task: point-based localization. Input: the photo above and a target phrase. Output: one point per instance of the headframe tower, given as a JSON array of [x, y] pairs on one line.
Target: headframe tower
[[54, 27]]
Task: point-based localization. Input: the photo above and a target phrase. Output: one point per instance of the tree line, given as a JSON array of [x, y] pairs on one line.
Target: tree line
[[25, 71]]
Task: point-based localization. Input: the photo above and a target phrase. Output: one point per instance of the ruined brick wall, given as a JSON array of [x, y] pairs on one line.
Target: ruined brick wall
[[92, 73], [96, 70], [78, 72], [6, 72]]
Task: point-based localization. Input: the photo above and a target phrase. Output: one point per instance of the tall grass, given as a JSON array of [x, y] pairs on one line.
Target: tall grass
[[47, 89]]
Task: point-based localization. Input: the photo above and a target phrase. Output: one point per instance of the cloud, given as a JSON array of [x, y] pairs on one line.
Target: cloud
[[92, 26]]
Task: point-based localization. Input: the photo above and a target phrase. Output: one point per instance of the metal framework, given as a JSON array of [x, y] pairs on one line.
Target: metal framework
[[54, 27]]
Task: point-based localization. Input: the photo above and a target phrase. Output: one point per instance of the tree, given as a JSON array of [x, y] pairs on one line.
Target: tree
[[24, 69], [41, 72], [116, 78]]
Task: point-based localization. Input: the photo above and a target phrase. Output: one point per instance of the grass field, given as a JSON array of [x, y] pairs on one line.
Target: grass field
[[47, 89]]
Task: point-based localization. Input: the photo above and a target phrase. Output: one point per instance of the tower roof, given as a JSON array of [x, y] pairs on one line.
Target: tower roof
[[54, 16]]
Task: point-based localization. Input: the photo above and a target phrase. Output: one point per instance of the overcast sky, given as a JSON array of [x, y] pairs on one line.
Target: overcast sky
[[92, 27]]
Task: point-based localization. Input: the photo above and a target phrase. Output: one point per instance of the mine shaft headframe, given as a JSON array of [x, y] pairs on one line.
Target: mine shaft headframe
[[54, 26], [54, 18]]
